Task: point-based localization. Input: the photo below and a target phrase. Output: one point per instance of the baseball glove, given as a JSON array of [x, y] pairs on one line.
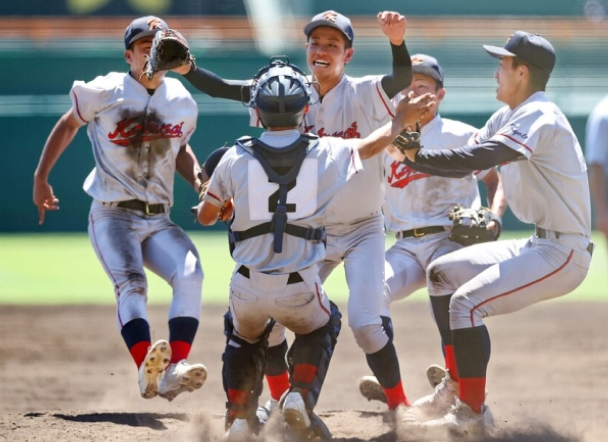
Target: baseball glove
[[169, 51], [407, 140], [469, 226]]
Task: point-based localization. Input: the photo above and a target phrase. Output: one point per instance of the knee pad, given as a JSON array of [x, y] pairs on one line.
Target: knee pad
[[243, 367], [314, 349]]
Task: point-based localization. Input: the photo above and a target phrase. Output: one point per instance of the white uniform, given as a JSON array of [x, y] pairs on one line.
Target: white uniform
[[417, 200], [597, 135], [355, 227], [265, 291], [547, 187], [135, 138]]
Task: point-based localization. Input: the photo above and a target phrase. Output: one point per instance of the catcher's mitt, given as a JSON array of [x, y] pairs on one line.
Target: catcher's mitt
[[169, 51], [470, 225], [407, 140]]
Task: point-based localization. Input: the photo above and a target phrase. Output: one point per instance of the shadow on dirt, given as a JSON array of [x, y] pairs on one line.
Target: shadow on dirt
[[150, 420]]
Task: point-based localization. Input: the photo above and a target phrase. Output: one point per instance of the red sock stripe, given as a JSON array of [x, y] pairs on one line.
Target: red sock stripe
[[278, 384], [304, 373], [139, 352], [450, 361], [179, 350], [395, 396], [472, 391]]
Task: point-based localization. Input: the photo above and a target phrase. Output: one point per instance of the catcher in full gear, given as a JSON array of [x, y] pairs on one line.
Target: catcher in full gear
[[281, 185]]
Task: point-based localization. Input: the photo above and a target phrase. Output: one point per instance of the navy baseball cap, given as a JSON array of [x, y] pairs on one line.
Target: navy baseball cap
[[427, 65], [332, 19], [143, 27], [531, 48]]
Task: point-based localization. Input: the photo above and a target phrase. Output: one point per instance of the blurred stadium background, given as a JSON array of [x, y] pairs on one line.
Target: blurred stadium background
[[46, 45]]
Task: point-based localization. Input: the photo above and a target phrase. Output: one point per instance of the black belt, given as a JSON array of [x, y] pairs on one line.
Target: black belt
[[294, 277], [544, 234], [421, 231], [148, 209]]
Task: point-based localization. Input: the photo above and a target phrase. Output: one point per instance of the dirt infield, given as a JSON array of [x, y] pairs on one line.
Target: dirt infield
[[66, 376]]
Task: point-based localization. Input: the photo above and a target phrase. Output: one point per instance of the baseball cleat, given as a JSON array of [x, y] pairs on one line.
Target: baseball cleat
[[435, 373], [371, 389], [463, 423], [434, 405], [238, 431], [153, 367], [181, 377], [295, 413], [264, 411]]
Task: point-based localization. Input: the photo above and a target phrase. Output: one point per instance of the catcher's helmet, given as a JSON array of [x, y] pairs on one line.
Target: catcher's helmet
[[280, 92]]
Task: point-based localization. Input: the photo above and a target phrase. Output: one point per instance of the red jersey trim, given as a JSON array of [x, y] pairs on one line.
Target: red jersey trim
[[77, 108], [515, 141], [388, 109]]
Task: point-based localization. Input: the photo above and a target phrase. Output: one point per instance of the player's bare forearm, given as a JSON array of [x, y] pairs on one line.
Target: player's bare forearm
[[59, 139], [497, 202], [597, 184], [188, 167]]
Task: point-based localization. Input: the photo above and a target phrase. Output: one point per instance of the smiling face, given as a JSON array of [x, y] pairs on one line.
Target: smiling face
[[423, 84], [326, 55]]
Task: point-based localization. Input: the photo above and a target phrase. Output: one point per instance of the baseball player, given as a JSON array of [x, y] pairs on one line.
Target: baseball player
[[416, 204], [139, 130], [545, 182], [282, 185], [344, 107], [597, 159]]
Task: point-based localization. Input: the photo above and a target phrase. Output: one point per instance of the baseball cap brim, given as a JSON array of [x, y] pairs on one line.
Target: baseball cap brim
[[498, 52], [144, 34], [429, 72], [318, 23]]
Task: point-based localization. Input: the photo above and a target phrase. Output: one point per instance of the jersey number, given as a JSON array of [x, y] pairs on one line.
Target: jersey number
[[264, 194]]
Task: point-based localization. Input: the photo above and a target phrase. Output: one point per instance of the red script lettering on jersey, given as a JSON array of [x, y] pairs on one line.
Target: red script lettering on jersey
[[131, 128], [351, 132], [404, 176]]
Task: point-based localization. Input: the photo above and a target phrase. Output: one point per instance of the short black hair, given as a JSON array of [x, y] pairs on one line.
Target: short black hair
[[538, 77]]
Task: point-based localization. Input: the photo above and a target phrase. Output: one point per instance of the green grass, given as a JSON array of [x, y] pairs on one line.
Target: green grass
[[63, 269]]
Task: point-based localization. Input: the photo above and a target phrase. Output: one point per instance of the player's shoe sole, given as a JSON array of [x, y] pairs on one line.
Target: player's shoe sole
[[151, 370], [191, 379], [371, 390], [435, 373]]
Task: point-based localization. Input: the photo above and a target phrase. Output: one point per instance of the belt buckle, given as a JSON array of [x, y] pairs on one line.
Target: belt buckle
[[148, 209], [418, 235]]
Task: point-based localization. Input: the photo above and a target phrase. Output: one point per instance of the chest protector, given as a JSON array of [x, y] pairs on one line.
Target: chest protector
[[282, 166]]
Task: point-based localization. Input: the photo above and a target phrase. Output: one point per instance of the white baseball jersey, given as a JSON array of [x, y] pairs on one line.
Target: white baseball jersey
[[549, 187], [415, 199], [597, 135], [135, 136], [352, 109], [240, 176]]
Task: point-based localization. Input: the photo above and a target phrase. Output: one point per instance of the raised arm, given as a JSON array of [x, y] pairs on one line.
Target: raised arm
[[393, 26]]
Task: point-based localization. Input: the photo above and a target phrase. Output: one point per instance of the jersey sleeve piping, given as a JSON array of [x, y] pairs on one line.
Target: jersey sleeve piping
[[78, 109], [388, 110], [515, 141]]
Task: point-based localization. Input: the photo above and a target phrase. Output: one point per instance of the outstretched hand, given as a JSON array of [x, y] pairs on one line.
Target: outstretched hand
[[393, 26], [411, 109]]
